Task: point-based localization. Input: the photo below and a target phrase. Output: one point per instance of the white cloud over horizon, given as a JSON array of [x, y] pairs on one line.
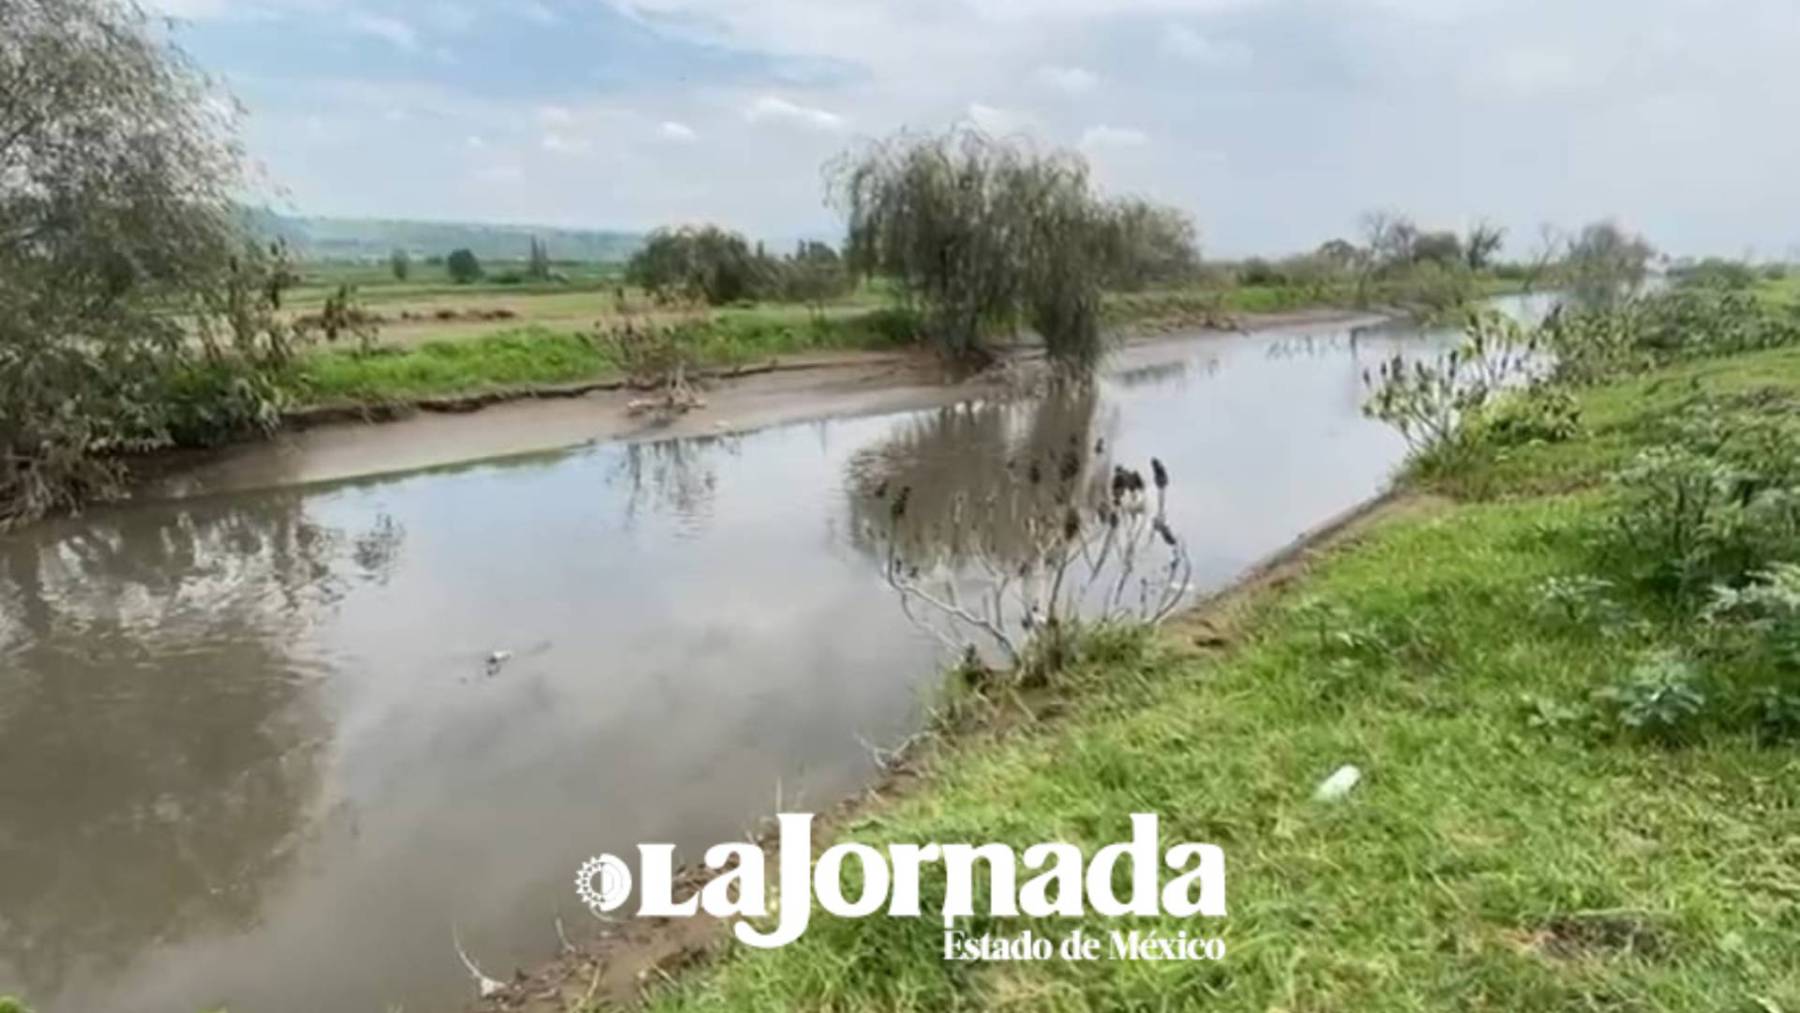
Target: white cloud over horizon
[[1275, 122], [773, 108], [389, 29]]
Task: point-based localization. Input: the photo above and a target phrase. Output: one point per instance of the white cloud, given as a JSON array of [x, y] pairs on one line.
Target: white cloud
[[996, 120], [190, 10], [1525, 71], [562, 144], [451, 17], [500, 173], [533, 11], [770, 108], [1187, 44], [1104, 136], [671, 130], [1069, 80], [380, 26], [555, 116]]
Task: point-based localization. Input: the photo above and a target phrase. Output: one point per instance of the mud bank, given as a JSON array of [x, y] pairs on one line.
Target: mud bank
[[336, 443]]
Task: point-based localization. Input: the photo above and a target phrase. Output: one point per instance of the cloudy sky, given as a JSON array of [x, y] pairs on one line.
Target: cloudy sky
[[1275, 122]]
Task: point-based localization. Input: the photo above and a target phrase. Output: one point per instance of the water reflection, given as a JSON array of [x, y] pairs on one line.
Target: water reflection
[[153, 786], [977, 481], [678, 477]]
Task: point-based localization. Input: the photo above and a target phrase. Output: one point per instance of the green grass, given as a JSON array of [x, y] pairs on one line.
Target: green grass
[[530, 356], [1499, 855], [1618, 419], [546, 344], [1782, 290], [536, 356]]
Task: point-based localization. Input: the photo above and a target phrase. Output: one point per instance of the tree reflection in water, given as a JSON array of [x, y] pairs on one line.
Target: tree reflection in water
[[161, 733]]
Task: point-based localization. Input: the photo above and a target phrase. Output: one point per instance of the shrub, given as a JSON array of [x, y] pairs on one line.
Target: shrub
[[1539, 414], [1769, 607], [1432, 403], [463, 267], [1579, 601], [1660, 697], [704, 263], [1670, 516], [211, 403]]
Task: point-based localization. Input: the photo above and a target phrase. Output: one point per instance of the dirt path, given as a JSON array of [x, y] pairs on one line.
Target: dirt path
[[332, 445]]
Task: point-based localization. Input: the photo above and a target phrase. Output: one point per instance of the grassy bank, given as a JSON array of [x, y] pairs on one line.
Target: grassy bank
[[558, 348], [1545, 821], [537, 355]]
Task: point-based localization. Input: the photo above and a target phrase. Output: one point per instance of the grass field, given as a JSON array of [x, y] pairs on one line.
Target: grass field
[[1512, 847], [436, 340], [1785, 290]]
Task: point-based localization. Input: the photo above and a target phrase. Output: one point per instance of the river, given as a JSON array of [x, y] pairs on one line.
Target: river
[[252, 752]]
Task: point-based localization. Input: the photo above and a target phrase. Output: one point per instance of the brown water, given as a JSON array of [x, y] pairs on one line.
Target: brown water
[[250, 753]]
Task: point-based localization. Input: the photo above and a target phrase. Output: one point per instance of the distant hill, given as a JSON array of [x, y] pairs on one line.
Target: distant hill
[[374, 239]]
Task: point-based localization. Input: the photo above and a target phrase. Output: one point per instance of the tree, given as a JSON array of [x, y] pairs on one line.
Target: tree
[[1605, 263], [400, 262], [700, 262], [814, 275], [463, 267], [1544, 256], [984, 234], [537, 266], [123, 267], [1482, 244], [1442, 248], [1149, 244], [1389, 238]]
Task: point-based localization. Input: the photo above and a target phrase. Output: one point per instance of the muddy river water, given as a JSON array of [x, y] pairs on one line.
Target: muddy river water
[[252, 753]]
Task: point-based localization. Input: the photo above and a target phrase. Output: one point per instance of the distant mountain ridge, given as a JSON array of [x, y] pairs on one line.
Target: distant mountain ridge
[[322, 238]]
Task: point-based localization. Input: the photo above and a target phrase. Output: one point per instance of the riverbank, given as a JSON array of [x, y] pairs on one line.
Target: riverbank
[[468, 359], [337, 443], [1578, 786], [478, 346]]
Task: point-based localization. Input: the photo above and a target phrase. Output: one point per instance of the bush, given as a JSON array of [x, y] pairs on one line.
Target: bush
[[463, 267], [211, 403], [1714, 272], [1539, 414], [1769, 607], [704, 263], [896, 325], [1435, 403], [1661, 697]]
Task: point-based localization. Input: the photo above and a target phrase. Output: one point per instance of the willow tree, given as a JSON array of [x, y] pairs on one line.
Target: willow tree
[[982, 235], [1151, 244], [119, 240], [1605, 264]]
